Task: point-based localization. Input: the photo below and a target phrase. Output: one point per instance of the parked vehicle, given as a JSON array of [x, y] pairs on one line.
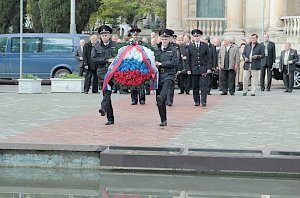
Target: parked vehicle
[[44, 55], [278, 74]]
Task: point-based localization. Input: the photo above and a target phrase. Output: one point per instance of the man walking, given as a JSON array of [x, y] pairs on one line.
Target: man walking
[[228, 61], [199, 65], [102, 56], [167, 65], [267, 63], [287, 65]]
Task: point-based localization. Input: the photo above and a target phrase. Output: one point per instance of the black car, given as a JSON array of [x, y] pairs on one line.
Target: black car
[[278, 75]]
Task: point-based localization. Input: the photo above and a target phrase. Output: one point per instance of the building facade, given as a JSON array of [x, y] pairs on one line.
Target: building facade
[[240, 18]]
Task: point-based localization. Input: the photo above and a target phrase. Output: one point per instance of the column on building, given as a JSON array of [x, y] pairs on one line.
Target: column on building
[[174, 15], [234, 17], [276, 11]]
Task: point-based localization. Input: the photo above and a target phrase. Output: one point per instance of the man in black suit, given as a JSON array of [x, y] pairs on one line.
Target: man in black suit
[[91, 68], [287, 65], [199, 65], [214, 61], [167, 66], [267, 63]]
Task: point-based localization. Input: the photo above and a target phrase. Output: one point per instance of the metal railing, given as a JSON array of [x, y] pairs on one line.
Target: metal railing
[[209, 26], [291, 25]]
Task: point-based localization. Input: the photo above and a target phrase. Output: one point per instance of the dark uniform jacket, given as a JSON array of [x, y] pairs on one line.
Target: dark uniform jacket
[[213, 55], [100, 56], [169, 62], [198, 59], [87, 59], [258, 50], [270, 59]]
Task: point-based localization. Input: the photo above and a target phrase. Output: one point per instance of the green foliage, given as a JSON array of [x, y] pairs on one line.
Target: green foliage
[[34, 10], [84, 9], [30, 76], [130, 11], [10, 16], [71, 76]]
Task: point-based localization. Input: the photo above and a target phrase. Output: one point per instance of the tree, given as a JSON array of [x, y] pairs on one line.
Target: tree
[[34, 10], [10, 16], [55, 14], [130, 11]]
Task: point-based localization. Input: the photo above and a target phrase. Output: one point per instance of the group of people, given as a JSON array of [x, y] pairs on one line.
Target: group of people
[[192, 60]]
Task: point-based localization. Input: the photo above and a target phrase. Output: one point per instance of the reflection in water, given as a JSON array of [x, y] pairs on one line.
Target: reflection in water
[[57, 183]]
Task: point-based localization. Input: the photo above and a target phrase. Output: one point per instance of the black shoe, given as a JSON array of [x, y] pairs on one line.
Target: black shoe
[[208, 93], [114, 91], [232, 93], [164, 123], [187, 92], [252, 94], [244, 94], [142, 102], [223, 94], [203, 104], [109, 123], [262, 89], [197, 104], [102, 112], [170, 104], [159, 100], [181, 92], [134, 103], [286, 91], [86, 92], [290, 91]]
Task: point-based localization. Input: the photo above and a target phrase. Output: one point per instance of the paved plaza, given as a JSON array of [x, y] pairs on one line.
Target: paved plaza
[[269, 121]]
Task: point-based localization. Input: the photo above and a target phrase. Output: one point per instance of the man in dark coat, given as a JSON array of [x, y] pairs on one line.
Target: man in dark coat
[[253, 53], [79, 57], [287, 65], [199, 65], [167, 66], [214, 61], [91, 70], [102, 57], [267, 63]]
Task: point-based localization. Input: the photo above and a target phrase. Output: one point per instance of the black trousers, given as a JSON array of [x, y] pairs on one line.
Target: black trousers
[[107, 106], [91, 75], [199, 83], [163, 91], [227, 81], [208, 76], [138, 94], [288, 79], [185, 83], [263, 75], [170, 97]]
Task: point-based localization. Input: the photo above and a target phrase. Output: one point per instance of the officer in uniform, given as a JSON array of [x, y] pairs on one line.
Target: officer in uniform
[[167, 66], [137, 94], [170, 97], [199, 65], [102, 57]]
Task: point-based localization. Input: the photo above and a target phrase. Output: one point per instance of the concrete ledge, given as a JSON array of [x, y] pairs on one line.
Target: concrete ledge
[[203, 160], [50, 155]]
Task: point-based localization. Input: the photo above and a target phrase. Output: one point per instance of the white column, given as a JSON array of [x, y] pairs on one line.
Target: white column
[[174, 15], [276, 11], [234, 17]]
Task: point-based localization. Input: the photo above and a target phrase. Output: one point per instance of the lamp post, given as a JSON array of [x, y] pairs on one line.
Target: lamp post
[[72, 24], [263, 20], [21, 38]]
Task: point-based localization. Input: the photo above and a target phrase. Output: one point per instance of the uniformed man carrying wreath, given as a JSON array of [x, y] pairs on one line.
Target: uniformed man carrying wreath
[[167, 65], [102, 57], [198, 65]]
